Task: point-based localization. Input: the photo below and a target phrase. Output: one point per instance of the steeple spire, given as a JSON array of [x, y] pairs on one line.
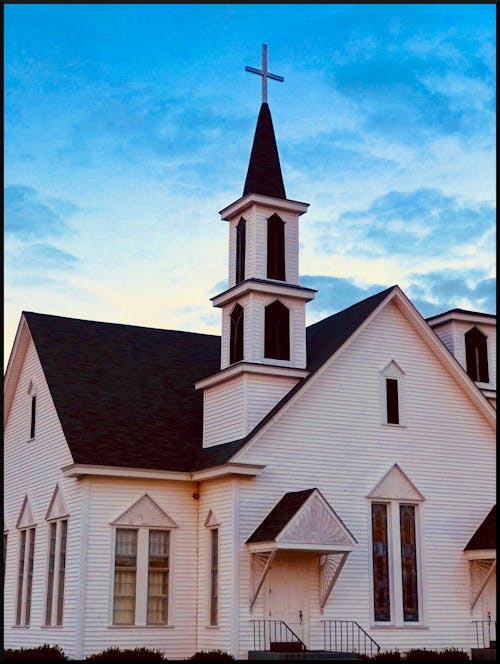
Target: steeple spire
[[264, 171]]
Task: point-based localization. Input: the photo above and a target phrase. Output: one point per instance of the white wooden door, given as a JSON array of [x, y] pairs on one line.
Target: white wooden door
[[287, 593]]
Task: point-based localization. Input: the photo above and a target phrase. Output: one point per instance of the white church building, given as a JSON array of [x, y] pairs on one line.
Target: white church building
[[277, 488]]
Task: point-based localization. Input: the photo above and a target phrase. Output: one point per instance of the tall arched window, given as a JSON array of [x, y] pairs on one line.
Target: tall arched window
[[275, 248], [476, 355], [277, 331], [236, 339], [240, 250]]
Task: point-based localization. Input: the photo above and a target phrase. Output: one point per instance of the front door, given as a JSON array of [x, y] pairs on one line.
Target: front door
[[286, 592]]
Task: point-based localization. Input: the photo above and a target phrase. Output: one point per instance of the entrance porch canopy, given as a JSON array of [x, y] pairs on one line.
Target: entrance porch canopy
[[481, 551], [301, 521]]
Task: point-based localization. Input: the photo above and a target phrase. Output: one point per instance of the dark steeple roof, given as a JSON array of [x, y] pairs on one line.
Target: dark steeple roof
[[264, 171]]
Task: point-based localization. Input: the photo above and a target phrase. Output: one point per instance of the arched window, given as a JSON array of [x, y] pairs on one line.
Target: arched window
[[275, 248], [277, 331], [240, 250], [236, 348], [476, 355]]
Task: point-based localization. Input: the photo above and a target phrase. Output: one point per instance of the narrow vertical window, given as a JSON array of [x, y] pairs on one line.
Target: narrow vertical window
[[409, 563], [392, 401], [381, 595], [125, 576], [214, 576], [277, 331], [33, 416], [240, 250], [158, 566], [476, 355], [62, 570], [20, 576], [236, 337], [4, 555], [50, 572], [29, 579], [275, 248]]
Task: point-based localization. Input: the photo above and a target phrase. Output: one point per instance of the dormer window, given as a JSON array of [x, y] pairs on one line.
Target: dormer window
[[240, 250], [476, 355], [277, 331], [275, 248], [32, 393], [236, 339]]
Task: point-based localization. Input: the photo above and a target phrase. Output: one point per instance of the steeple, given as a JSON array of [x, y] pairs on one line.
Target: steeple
[[264, 171], [263, 344]]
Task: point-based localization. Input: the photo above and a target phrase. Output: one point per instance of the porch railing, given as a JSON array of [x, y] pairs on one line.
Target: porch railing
[[275, 636], [486, 633], [348, 636]]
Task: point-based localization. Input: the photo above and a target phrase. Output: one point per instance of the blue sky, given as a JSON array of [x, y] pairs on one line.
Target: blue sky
[[128, 127]]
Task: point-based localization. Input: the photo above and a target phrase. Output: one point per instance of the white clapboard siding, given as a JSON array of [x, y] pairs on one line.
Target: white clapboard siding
[[332, 438], [445, 333], [459, 330], [217, 496], [33, 467], [109, 498], [224, 412], [263, 393]]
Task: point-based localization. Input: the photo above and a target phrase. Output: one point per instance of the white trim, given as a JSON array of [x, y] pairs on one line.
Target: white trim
[[275, 288], [230, 468], [480, 554], [483, 584], [245, 202], [259, 547], [463, 317], [15, 363], [235, 627], [82, 469], [250, 368], [82, 586]]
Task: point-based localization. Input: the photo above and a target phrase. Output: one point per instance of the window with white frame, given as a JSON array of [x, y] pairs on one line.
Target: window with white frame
[[396, 564], [141, 575], [214, 576], [56, 571], [25, 575], [392, 394], [32, 391]]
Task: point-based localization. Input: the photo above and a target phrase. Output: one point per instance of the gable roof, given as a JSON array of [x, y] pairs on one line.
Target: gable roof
[[279, 516], [125, 394], [485, 536]]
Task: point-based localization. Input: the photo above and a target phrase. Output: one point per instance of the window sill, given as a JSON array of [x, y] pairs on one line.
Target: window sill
[[212, 626], [51, 626], [392, 626], [393, 425], [20, 626], [141, 626]]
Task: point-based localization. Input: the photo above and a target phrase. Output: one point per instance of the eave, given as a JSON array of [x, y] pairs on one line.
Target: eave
[[263, 286], [93, 470], [259, 199]]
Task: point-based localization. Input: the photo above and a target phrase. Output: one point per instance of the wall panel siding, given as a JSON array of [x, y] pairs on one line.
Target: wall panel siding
[[447, 450], [264, 392], [224, 412], [109, 498], [33, 467]]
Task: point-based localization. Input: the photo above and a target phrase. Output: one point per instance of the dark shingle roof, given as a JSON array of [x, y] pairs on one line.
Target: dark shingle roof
[[125, 395], [485, 536], [280, 515], [264, 170]]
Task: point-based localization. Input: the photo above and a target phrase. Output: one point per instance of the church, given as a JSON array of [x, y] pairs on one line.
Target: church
[[279, 489]]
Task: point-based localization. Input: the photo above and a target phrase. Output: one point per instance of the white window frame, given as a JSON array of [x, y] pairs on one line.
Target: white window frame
[[212, 523], [53, 619], [393, 371], [395, 567], [22, 592], [33, 393], [141, 578]]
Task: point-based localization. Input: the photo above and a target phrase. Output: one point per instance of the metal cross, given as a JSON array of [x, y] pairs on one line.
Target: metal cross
[[264, 73]]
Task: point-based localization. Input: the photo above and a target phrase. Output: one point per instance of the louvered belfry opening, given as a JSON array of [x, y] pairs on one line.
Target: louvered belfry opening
[[277, 331], [476, 355], [236, 339]]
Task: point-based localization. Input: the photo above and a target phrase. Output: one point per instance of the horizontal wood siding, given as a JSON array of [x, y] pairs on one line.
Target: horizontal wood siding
[[109, 498], [217, 496], [332, 438], [33, 467], [445, 333], [264, 392], [224, 412]]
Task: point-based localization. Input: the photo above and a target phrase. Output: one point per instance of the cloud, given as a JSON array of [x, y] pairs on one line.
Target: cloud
[[38, 265], [28, 217], [424, 222]]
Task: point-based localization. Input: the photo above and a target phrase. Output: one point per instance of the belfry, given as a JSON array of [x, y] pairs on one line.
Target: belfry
[[263, 341]]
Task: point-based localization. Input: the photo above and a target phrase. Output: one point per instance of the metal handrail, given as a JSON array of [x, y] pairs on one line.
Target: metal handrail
[[267, 634], [484, 631], [347, 636]]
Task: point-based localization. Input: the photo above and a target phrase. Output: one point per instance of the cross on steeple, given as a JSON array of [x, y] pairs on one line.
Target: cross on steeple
[[264, 73]]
